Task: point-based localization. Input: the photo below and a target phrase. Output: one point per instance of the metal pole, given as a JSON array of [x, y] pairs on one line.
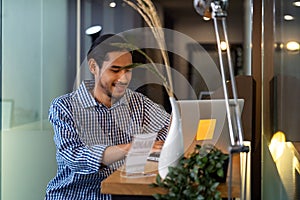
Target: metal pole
[[217, 10]]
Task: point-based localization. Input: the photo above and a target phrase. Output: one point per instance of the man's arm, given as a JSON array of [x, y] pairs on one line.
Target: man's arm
[[115, 153], [72, 151], [157, 119], [157, 146]]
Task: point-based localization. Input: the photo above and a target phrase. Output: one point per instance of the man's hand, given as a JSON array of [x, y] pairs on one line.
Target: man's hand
[[157, 146], [124, 147], [115, 153]]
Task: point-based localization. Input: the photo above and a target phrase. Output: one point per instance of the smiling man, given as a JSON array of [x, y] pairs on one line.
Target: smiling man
[[111, 80], [93, 126]]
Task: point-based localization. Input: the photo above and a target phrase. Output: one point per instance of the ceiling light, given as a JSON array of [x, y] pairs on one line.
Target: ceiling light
[[112, 4], [288, 17], [296, 3], [281, 46], [223, 46], [206, 18], [93, 29], [293, 46]]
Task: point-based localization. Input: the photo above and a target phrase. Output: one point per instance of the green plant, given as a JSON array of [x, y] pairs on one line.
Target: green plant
[[196, 176]]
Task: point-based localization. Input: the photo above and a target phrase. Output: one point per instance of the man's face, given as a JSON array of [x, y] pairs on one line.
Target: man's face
[[110, 79]]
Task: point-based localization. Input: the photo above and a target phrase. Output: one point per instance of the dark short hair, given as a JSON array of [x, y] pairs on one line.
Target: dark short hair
[[103, 45]]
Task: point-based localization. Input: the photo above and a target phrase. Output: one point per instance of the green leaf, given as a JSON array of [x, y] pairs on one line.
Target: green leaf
[[194, 176], [217, 195], [219, 165], [157, 196], [214, 186], [200, 197], [158, 179], [220, 172]]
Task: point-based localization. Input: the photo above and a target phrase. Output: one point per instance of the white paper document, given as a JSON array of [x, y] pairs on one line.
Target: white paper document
[[137, 156]]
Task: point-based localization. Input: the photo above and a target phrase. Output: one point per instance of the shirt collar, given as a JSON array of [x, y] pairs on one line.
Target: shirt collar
[[87, 100], [85, 97]]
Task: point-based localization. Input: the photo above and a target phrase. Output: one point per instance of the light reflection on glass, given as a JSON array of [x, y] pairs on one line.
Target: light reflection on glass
[[277, 145], [288, 168], [293, 46], [296, 3], [288, 17], [112, 4]]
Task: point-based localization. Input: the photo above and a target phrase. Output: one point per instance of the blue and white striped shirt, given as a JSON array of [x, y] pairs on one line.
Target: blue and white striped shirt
[[84, 128]]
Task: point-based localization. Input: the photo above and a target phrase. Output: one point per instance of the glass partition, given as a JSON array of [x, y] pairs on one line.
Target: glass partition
[[37, 65], [286, 69], [281, 150], [43, 42]]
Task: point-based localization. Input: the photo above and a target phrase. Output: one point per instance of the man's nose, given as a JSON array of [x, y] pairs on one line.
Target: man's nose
[[123, 76]]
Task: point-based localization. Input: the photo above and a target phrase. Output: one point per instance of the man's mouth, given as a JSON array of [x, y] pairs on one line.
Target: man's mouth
[[120, 86]]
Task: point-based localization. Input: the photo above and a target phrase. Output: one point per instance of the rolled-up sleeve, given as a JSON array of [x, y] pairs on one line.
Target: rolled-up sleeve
[[156, 119], [79, 157]]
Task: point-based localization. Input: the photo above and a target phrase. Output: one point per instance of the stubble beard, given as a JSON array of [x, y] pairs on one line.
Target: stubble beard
[[114, 96]]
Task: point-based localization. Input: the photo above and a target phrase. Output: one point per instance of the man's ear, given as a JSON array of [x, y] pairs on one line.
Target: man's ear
[[92, 65]]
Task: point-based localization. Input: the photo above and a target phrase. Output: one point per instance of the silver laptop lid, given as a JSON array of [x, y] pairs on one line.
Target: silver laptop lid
[[192, 111]]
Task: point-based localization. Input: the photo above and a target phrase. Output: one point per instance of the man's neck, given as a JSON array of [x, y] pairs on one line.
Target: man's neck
[[104, 99]]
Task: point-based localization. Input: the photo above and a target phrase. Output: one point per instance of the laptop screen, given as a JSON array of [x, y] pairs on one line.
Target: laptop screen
[[206, 121]]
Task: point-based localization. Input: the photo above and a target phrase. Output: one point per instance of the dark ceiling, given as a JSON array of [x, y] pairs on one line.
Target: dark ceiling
[[175, 9], [185, 8]]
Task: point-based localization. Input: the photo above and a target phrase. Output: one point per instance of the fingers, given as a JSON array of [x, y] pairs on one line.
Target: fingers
[[158, 145]]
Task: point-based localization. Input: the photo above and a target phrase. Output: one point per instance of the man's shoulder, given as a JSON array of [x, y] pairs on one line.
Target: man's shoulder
[[135, 98], [63, 99], [133, 95]]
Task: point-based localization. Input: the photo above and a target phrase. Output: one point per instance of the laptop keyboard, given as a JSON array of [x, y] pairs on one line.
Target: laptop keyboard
[[154, 156]]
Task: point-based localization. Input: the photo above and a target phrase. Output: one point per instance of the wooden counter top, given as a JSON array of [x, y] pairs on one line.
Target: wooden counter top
[[116, 184], [120, 185]]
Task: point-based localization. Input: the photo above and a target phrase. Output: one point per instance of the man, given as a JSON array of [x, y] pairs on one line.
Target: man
[[94, 125]]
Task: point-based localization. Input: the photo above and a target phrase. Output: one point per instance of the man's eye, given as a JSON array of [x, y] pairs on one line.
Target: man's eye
[[115, 70], [119, 70]]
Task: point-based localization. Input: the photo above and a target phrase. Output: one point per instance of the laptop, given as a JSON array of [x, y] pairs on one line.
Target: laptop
[[206, 122]]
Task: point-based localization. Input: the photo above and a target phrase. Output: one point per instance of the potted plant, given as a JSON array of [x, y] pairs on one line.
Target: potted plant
[[196, 176], [173, 147]]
